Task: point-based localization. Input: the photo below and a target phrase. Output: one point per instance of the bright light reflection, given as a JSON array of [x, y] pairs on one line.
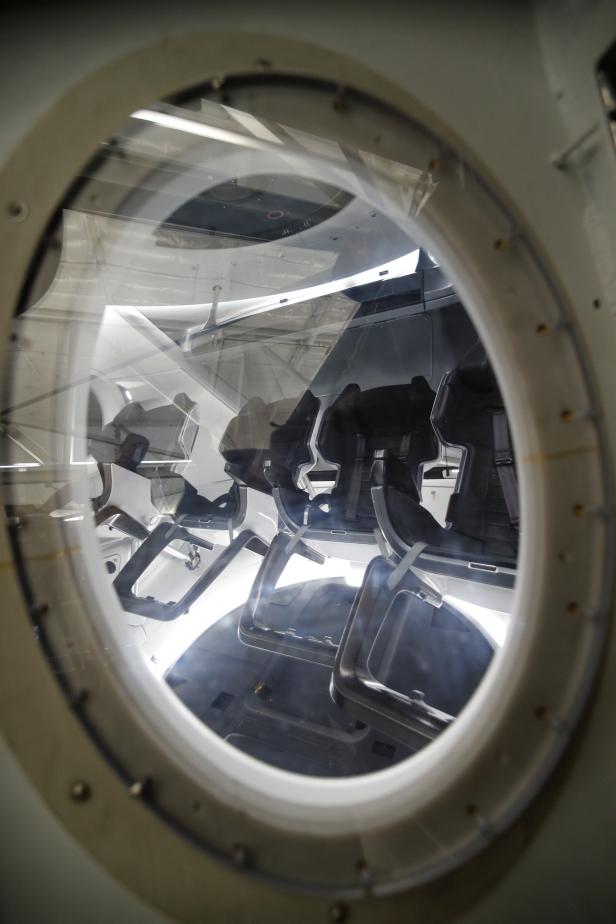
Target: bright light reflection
[[493, 622], [299, 570], [192, 127], [230, 593]]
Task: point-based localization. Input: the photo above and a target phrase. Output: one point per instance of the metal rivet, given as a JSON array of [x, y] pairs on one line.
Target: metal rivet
[[139, 789], [18, 211], [80, 791]]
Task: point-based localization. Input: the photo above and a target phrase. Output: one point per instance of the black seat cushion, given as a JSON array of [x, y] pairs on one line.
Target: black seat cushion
[[395, 418]]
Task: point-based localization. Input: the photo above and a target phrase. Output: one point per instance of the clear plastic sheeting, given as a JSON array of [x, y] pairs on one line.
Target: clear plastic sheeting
[[249, 407]]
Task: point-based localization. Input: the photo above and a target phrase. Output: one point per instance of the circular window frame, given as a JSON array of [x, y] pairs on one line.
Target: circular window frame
[[543, 341]]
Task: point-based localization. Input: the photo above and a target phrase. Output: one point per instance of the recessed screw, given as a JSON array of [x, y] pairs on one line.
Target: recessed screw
[[18, 211], [500, 244], [573, 607], [566, 415], [578, 510], [80, 791]]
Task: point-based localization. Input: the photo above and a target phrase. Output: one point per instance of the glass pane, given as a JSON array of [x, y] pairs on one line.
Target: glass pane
[[242, 368]]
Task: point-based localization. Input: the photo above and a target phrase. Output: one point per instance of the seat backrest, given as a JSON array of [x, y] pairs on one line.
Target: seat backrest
[[290, 441], [261, 434], [395, 418], [467, 401]]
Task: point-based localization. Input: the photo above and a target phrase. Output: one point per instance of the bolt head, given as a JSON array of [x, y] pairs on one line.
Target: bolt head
[[80, 791]]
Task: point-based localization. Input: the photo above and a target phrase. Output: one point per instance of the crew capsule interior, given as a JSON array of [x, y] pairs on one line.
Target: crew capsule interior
[[307, 480]]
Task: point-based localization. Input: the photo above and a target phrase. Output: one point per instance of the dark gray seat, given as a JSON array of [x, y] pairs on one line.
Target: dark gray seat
[[359, 423], [482, 516], [353, 428]]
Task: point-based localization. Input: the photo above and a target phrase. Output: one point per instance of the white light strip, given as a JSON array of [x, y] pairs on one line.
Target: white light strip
[[92, 463], [233, 310], [192, 127], [402, 266], [22, 465]]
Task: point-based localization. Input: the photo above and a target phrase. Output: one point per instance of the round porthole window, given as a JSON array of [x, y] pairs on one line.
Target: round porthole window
[[306, 490]]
